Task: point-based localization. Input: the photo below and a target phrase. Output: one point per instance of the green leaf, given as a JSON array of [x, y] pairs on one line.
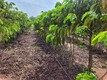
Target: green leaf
[[105, 43], [101, 37], [85, 15], [87, 21], [49, 38], [70, 17], [52, 27], [92, 7], [1, 22], [93, 15], [86, 76], [104, 17], [90, 14]]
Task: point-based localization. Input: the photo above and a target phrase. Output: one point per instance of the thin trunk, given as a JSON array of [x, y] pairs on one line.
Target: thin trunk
[[72, 50], [90, 50], [71, 59], [70, 56]]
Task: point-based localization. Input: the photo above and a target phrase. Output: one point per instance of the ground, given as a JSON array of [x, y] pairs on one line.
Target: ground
[[30, 58]]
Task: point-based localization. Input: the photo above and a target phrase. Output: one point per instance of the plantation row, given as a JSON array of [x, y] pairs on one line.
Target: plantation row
[[12, 21], [85, 18]]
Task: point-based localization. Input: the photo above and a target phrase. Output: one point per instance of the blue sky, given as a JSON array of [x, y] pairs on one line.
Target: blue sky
[[34, 7]]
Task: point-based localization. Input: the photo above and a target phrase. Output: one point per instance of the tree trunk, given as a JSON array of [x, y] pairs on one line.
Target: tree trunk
[[90, 50], [70, 56]]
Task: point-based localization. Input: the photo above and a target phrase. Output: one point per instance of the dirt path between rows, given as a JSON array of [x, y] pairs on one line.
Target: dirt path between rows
[[30, 58], [27, 59]]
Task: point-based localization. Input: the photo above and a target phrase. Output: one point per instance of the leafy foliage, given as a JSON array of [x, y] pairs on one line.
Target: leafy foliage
[[12, 21], [67, 15], [49, 38], [84, 18], [53, 28], [101, 37], [86, 76], [70, 17], [81, 30]]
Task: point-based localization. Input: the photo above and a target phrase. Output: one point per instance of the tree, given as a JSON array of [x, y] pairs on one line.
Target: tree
[[12, 21], [86, 16], [58, 4]]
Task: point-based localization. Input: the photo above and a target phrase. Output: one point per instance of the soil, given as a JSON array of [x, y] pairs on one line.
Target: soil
[[30, 58]]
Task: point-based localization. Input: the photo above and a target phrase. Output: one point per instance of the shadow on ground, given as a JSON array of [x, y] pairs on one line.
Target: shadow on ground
[[51, 70]]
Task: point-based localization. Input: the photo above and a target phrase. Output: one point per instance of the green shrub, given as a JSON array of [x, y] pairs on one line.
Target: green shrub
[[86, 76]]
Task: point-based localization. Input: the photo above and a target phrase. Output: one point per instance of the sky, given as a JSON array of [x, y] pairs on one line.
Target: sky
[[34, 7]]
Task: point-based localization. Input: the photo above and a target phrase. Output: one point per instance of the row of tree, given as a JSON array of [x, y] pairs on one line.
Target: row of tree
[[12, 21], [84, 18]]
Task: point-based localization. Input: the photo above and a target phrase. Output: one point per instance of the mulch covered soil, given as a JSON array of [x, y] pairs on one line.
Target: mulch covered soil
[[30, 58]]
